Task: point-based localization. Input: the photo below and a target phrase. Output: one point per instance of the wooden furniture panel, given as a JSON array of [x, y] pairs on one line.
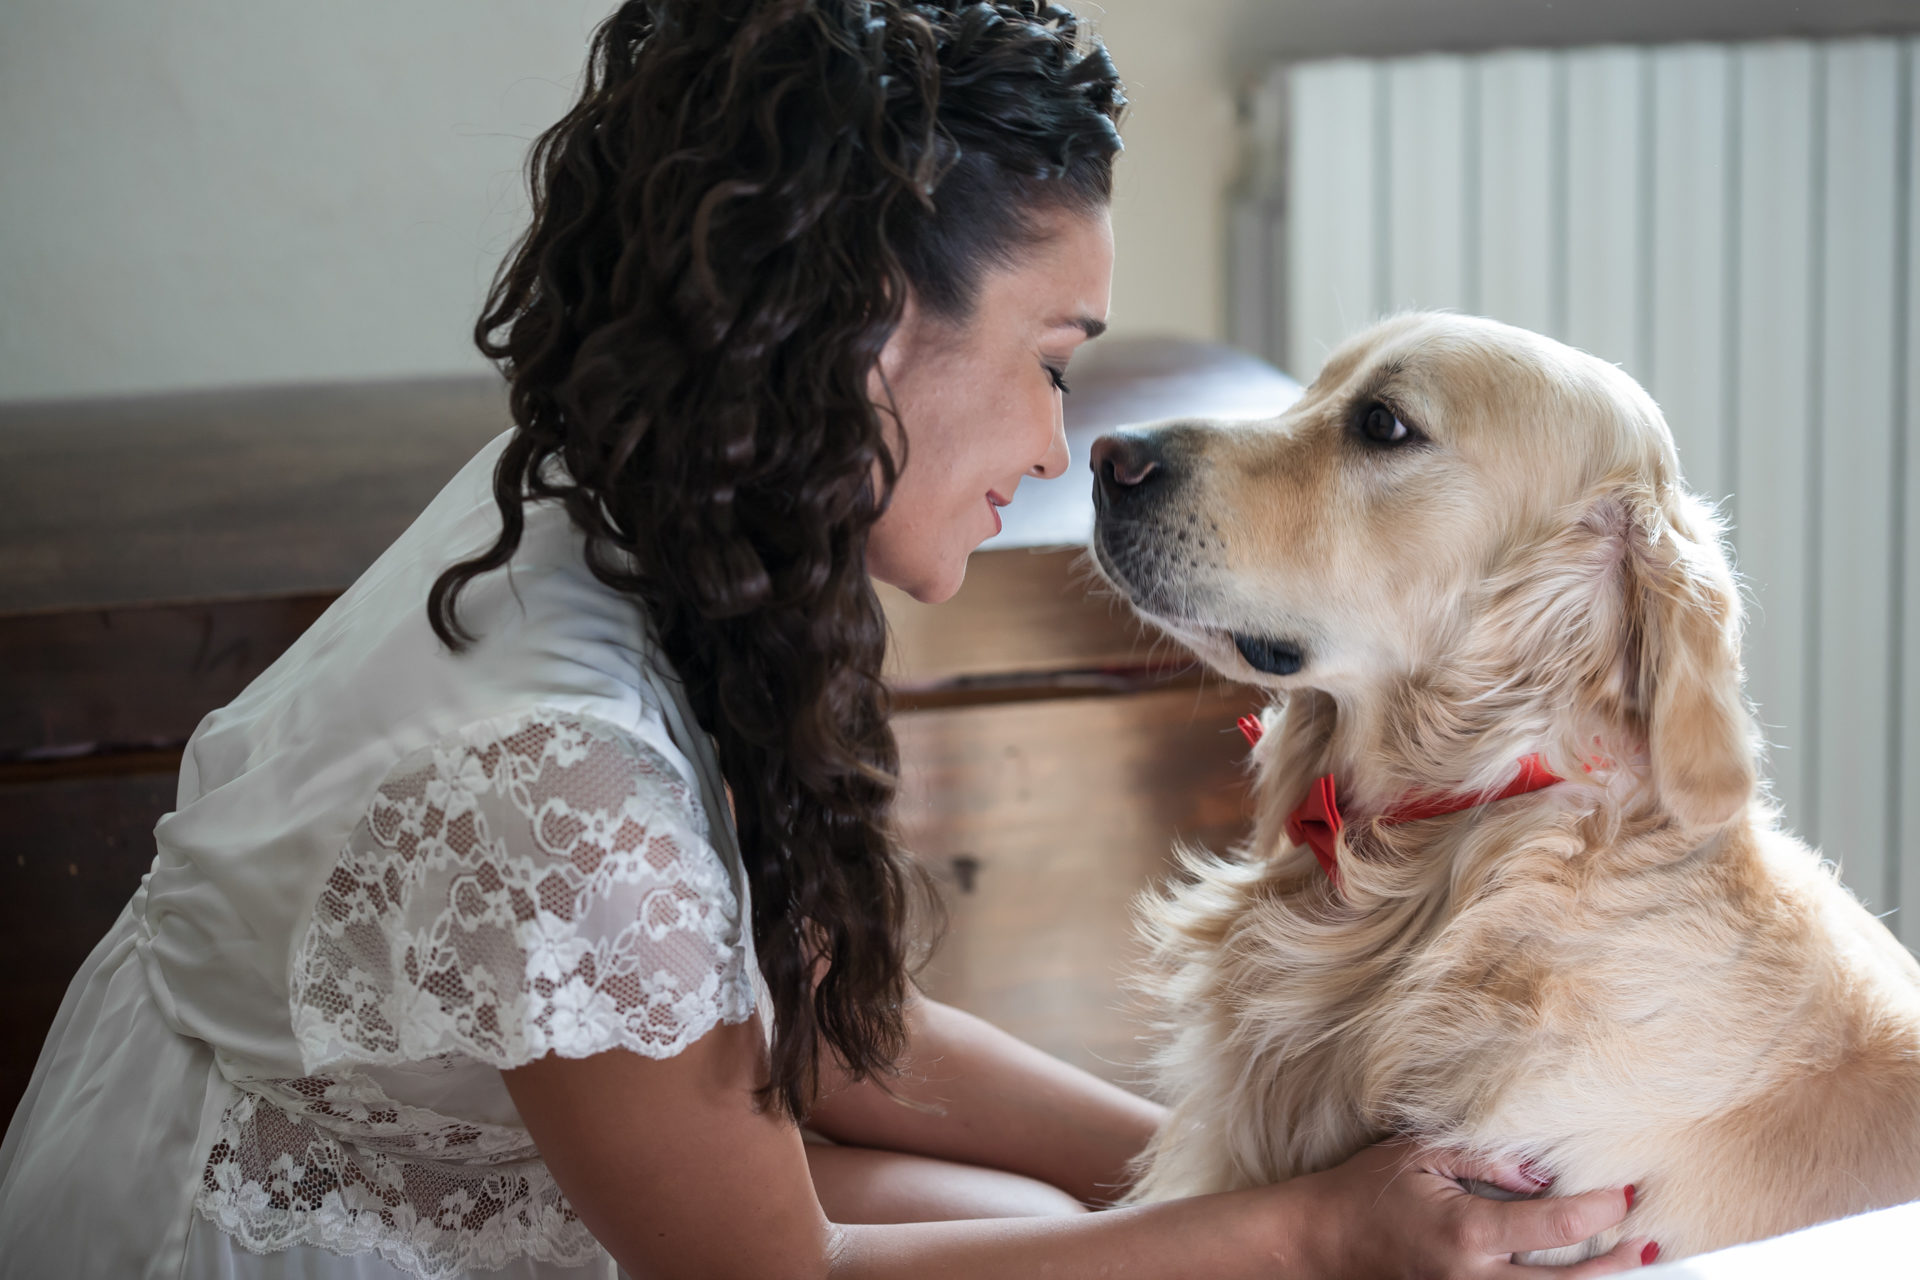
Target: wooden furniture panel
[[157, 553], [223, 495], [72, 850], [1039, 612], [1044, 820], [90, 680]]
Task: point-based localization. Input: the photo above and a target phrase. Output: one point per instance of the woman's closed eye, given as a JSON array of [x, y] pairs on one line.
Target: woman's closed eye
[[1058, 376]]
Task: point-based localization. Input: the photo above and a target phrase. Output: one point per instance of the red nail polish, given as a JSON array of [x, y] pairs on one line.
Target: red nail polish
[[1650, 1254], [1629, 1195]]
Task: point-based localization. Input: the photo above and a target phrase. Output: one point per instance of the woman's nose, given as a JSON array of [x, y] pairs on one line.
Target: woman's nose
[[1055, 463]]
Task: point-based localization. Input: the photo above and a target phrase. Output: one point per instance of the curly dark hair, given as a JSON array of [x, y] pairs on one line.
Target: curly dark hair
[[725, 229]]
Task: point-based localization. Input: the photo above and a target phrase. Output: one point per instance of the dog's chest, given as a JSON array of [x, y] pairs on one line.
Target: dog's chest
[[1436, 1036], [1504, 1025]]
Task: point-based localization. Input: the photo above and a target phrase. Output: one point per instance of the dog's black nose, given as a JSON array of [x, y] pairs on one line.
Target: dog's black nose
[[1126, 464]]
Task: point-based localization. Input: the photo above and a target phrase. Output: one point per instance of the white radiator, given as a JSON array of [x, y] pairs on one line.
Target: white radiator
[[1736, 225]]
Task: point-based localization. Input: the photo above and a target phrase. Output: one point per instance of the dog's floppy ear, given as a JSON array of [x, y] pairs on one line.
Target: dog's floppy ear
[[1685, 619]]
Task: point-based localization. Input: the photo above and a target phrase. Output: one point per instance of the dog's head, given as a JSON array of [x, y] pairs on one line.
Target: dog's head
[[1473, 540]]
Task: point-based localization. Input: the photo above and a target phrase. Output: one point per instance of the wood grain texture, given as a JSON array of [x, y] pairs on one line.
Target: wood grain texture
[[223, 494], [1045, 820], [94, 680], [73, 853], [1017, 612]]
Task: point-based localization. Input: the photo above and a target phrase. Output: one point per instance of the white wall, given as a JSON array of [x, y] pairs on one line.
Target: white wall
[[216, 192], [212, 192], [1183, 149], [209, 192]]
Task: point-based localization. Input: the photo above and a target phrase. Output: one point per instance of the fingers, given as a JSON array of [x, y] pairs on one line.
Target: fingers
[[1628, 1255], [1457, 1228], [1520, 1177], [1520, 1226], [1516, 1177]]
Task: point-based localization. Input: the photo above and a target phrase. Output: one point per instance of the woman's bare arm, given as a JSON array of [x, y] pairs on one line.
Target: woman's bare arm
[[972, 1093], [674, 1171]]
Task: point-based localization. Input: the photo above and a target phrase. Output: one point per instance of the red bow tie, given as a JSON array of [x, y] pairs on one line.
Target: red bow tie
[[1315, 821]]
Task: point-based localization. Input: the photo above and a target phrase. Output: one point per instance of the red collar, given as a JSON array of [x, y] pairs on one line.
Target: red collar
[[1315, 821]]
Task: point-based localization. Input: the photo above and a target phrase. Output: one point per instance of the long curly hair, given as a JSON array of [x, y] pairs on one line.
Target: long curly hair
[[725, 229]]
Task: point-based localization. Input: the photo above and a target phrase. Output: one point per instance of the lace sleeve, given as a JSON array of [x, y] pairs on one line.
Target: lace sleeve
[[532, 885]]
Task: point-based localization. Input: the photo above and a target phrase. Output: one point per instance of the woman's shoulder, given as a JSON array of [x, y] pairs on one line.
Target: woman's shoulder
[[371, 677], [557, 866], [560, 711], [547, 755]]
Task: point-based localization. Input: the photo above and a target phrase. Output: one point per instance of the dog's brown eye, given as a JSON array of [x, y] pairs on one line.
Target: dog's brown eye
[[1379, 425]]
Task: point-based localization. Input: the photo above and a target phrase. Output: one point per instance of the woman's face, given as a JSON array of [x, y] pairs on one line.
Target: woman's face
[[980, 403]]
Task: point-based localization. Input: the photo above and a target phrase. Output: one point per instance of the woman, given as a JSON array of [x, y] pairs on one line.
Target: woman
[[450, 958]]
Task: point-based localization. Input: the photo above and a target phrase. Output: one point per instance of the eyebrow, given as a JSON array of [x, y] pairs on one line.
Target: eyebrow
[[1086, 324]]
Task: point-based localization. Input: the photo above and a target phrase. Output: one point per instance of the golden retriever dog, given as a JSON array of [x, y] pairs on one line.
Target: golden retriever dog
[[1558, 920]]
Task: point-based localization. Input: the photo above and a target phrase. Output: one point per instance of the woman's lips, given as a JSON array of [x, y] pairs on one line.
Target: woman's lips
[[994, 503]]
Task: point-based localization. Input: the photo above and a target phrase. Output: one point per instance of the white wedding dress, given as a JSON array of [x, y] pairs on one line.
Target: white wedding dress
[[391, 872]]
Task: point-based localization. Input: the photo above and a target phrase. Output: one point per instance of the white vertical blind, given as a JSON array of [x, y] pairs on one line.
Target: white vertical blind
[[1520, 120], [1606, 200], [1686, 361], [1853, 521], [1332, 253], [1739, 227], [1773, 404], [1425, 167], [1906, 650]]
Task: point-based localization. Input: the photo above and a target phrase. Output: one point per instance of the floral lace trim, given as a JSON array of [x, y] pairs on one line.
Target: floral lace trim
[[537, 885], [278, 1176]]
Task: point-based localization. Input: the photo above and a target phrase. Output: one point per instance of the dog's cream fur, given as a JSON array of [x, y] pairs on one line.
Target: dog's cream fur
[[1635, 976]]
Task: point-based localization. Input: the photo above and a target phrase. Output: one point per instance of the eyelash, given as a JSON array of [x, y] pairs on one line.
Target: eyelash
[[1058, 378]]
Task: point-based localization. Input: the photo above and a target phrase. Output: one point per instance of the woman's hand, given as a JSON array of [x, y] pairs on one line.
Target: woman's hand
[[1397, 1210]]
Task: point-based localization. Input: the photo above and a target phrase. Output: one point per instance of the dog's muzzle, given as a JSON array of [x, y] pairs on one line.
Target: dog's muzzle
[[1134, 476], [1130, 471]]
